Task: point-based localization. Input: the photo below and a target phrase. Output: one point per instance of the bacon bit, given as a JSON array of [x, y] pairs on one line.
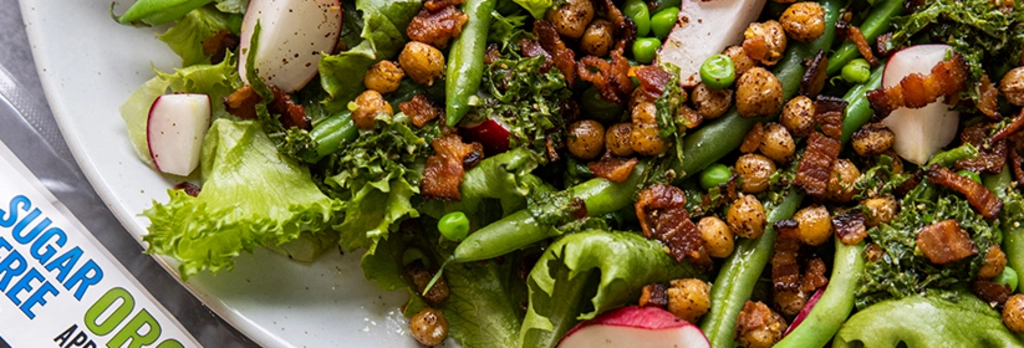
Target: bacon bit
[[565, 58], [910, 184], [613, 168], [435, 5], [421, 278], [420, 109], [850, 227], [217, 45], [654, 295], [815, 168], [814, 276], [857, 37], [189, 188], [292, 114], [828, 112], [690, 117], [785, 269], [844, 21], [977, 195], [991, 292], [1017, 162], [531, 48], [437, 27], [1015, 126], [873, 252], [661, 210], [814, 78], [242, 103], [944, 242], [443, 174], [611, 79], [992, 155], [756, 48], [552, 149], [731, 194], [987, 102], [652, 80], [752, 140], [947, 79], [625, 28], [882, 45], [757, 320], [492, 55]]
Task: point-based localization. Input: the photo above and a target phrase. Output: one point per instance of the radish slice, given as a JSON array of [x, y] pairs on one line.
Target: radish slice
[[293, 33], [635, 327], [804, 312], [175, 131], [703, 29], [920, 133], [492, 133]]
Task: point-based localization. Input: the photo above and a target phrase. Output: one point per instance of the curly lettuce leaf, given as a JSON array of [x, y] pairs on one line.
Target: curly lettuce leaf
[[933, 320], [537, 8], [505, 177], [252, 196], [232, 6], [186, 36]]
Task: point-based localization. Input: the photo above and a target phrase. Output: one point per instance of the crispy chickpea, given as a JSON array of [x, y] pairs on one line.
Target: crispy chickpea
[[995, 262], [718, 238], [598, 38], [881, 210], [777, 144], [369, 105], [689, 298], [815, 225], [571, 19], [765, 42], [385, 76], [429, 327], [758, 93], [804, 21], [873, 139], [840, 185], [798, 116], [757, 326], [746, 217], [755, 172], [422, 62], [1013, 313], [789, 302], [711, 103], [618, 139], [645, 138], [586, 139], [741, 62], [1012, 86]]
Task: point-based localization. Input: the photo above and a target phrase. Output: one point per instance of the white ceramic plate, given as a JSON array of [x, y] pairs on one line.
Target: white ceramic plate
[[89, 65]]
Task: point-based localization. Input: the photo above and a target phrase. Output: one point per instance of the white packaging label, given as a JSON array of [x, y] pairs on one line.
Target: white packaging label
[[58, 286]]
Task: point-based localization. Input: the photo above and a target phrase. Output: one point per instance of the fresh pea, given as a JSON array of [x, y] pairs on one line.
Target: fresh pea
[[466, 60], [970, 175], [454, 226], [663, 21], [637, 11], [857, 71], [715, 175], [717, 72], [157, 12], [645, 48], [1008, 277]]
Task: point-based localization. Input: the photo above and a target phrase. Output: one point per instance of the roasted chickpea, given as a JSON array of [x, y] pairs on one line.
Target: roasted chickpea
[[385, 76], [804, 21], [571, 19], [618, 139], [689, 299], [429, 327], [711, 103], [645, 138], [586, 139], [798, 116], [881, 210], [1013, 313], [757, 326], [815, 225], [369, 105], [995, 262], [840, 185], [777, 144], [422, 62], [758, 93], [718, 238], [755, 172], [789, 302], [1012, 86], [873, 139], [740, 61], [598, 38], [746, 217], [765, 42]]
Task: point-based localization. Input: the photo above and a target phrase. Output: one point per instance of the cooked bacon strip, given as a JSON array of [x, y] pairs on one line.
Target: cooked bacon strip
[[219, 44], [814, 276], [652, 80], [814, 78], [857, 37], [564, 58], [292, 114], [987, 101], [752, 140], [189, 188], [443, 174], [438, 27], [991, 292], [947, 78], [828, 113], [1016, 161], [992, 154], [420, 109], [977, 195], [654, 295], [435, 5], [815, 169], [661, 210], [611, 79], [613, 168], [944, 242], [242, 103], [785, 269], [1015, 126], [850, 227]]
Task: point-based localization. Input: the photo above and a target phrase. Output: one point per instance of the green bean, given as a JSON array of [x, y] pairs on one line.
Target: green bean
[[329, 134], [157, 12], [970, 175], [858, 108], [878, 22], [1013, 232], [835, 304], [948, 157], [466, 59], [740, 272]]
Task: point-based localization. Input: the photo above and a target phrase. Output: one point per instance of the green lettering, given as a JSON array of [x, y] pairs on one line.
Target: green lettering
[[132, 334], [92, 316]]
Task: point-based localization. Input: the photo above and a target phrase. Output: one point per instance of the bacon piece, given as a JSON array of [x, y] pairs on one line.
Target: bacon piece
[[757, 323], [661, 210], [815, 169], [610, 78], [814, 276], [987, 101], [437, 27], [242, 102], [991, 292], [653, 80], [435, 5], [613, 168], [944, 242], [531, 48], [189, 188], [948, 78], [882, 45], [564, 58], [625, 28], [654, 295], [1015, 126], [219, 44], [857, 37], [443, 174], [814, 78], [492, 55], [1016, 161], [420, 109], [992, 154], [977, 195], [850, 227], [752, 140], [785, 269], [291, 113], [828, 113]]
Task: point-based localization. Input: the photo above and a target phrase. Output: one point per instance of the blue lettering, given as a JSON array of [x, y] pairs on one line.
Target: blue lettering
[[90, 274], [24, 223], [38, 298], [65, 263], [4, 244], [25, 284], [12, 216], [9, 270], [50, 234]]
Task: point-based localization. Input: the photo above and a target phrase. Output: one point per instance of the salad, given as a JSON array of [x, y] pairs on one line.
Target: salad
[[540, 173]]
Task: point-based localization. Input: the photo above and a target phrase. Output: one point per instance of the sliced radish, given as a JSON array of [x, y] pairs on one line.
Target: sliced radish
[[635, 327], [175, 131], [804, 312], [492, 133], [703, 29], [293, 33], [920, 133]]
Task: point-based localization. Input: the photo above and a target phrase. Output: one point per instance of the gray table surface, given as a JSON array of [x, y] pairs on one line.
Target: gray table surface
[[16, 57]]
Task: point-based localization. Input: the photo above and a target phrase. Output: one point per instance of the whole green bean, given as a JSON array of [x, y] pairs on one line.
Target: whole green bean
[[878, 22], [1013, 231], [858, 108], [736, 280], [157, 12], [329, 134], [466, 59], [835, 304]]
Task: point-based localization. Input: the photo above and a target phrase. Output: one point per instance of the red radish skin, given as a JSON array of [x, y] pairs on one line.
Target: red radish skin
[[492, 133], [703, 29], [804, 312], [635, 327], [175, 131]]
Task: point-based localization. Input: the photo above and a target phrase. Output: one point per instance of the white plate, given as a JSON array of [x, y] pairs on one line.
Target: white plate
[[89, 65]]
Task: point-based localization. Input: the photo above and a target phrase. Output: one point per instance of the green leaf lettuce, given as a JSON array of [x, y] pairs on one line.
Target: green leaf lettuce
[[186, 36]]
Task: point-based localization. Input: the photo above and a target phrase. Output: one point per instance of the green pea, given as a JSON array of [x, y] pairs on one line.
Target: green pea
[[638, 12], [717, 72], [716, 174], [1008, 277], [414, 254], [454, 226], [663, 21], [645, 48], [857, 71], [970, 175]]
